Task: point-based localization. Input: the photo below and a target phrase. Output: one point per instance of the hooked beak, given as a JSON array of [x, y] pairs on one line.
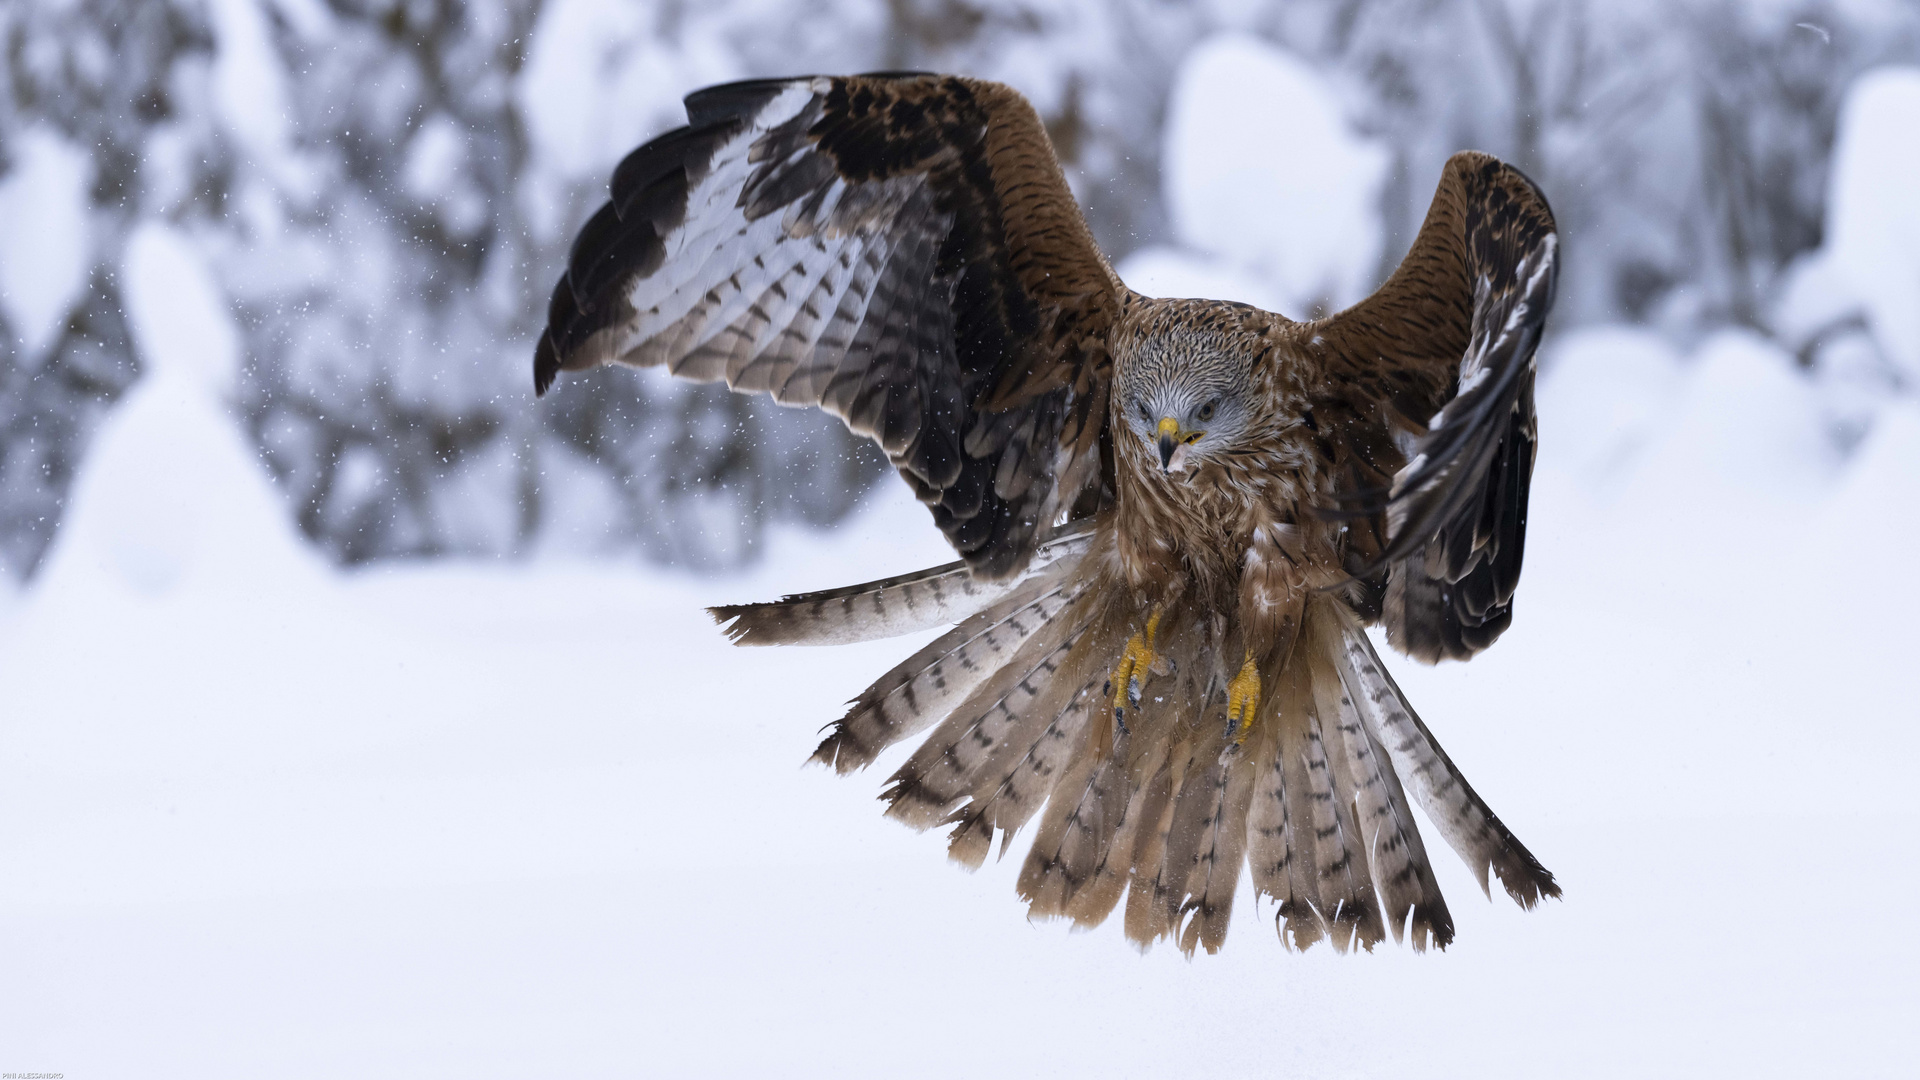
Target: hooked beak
[[1169, 442], [1173, 439]]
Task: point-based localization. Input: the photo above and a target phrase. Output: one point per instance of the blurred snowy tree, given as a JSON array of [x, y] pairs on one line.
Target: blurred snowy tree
[[1684, 145], [83, 85], [387, 187]]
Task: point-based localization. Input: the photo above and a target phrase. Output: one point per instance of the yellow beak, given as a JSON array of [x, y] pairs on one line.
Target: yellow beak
[[1172, 437], [1170, 440]]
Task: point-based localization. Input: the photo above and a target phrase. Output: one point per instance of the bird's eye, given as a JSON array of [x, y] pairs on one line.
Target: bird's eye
[[1206, 411], [1141, 408]]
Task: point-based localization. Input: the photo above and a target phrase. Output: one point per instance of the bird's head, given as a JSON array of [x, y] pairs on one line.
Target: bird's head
[[1187, 397]]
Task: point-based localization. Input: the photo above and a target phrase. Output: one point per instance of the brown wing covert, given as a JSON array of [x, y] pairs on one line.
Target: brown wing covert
[[1436, 370]]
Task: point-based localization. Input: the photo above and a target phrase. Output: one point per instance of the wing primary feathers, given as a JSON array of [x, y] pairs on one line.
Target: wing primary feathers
[[1496, 366], [1439, 366], [902, 251]]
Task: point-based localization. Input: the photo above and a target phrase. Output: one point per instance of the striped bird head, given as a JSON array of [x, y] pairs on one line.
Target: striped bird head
[[1186, 392]]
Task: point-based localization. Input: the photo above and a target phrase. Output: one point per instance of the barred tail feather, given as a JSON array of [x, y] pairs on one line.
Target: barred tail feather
[[1466, 822], [932, 681], [1083, 819], [1106, 825], [1346, 889], [1019, 775], [1026, 689], [1101, 813], [1095, 900], [867, 612], [1409, 894], [1418, 907], [1207, 844], [1147, 917], [1277, 852], [888, 607]]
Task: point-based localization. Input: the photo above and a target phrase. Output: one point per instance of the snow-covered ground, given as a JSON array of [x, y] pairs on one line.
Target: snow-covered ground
[[261, 819]]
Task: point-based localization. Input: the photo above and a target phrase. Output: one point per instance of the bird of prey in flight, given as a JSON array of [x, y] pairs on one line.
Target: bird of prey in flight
[[1175, 518]]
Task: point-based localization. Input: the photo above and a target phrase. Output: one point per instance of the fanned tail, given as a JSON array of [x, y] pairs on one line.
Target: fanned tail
[[1168, 809], [888, 607], [1165, 809]]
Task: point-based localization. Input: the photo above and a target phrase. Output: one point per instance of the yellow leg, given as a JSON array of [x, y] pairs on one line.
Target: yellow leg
[[1132, 670], [1243, 699]]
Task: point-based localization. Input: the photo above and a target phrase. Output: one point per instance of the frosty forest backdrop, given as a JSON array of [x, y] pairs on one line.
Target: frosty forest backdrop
[[386, 189], [359, 715]]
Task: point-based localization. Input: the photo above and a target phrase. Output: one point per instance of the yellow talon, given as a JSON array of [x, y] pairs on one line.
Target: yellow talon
[[1135, 664], [1243, 699]]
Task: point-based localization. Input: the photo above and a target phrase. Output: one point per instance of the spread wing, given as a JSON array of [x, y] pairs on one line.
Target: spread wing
[[1432, 403], [900, 250]]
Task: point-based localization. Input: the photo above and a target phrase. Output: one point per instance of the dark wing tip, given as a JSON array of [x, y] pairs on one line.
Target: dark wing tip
[[728, 101], [622, 242], [546, 365]]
